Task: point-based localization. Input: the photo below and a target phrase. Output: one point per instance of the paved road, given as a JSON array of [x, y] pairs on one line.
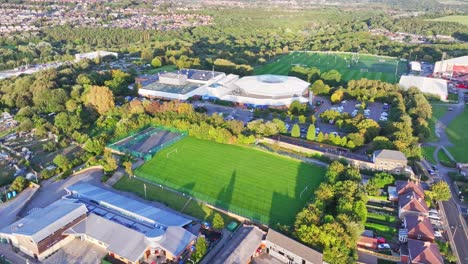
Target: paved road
[[455, 224], [457, 229], [9, 210]]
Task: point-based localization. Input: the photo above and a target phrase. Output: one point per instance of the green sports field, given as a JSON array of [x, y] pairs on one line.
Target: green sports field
[[363, 66], [255, 184], [458, 19]]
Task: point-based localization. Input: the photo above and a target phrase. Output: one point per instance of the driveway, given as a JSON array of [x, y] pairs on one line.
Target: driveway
[[52, 190]]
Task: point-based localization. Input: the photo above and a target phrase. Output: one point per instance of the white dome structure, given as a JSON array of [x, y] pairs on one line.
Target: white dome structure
[[272, 86]]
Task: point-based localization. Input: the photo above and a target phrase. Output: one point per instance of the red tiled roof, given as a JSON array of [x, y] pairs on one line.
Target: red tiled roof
[[412, 202], [409, 186], [419, 227], [424, 252]]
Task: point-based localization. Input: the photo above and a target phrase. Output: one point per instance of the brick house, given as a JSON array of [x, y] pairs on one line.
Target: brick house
[[418, 228]]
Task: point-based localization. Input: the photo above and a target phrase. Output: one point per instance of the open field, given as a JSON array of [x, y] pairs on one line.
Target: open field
[[262, 186], [366, 66], [458, 19], [445, 160], [456, 132], [428, 153], [438, 111]]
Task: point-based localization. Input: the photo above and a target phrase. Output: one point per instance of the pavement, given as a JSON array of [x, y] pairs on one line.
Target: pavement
[[10, 209], [77, 252], [52, 190]]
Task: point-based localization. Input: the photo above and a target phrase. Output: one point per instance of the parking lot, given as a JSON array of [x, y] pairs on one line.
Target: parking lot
[[376, 111], [240, 114]]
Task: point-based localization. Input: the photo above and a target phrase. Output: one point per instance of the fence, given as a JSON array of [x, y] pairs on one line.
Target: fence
[[123, 145], [211, 201]]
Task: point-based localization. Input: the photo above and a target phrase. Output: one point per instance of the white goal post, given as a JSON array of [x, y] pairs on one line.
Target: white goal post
[[170, 152]]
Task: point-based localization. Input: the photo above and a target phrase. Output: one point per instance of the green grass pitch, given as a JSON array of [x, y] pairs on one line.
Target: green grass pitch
[[252, 183], [366, 66]]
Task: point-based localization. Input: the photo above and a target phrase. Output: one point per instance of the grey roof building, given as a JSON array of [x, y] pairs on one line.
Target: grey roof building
[[40, 233], [242, 247], [118, 239], [288, 250], [389, 160], [126, 206]]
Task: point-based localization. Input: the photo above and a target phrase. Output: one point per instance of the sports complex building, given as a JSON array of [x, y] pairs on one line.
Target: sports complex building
[[129, 230], [259, 91]]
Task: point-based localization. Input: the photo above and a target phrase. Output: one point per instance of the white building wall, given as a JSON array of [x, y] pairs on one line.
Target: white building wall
[[285, 256]]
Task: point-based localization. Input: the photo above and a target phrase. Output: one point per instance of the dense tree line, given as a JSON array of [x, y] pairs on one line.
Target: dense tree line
[[241, 37], [335, 219]]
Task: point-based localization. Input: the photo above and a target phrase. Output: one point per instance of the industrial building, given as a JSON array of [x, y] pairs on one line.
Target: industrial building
[[437, 87]]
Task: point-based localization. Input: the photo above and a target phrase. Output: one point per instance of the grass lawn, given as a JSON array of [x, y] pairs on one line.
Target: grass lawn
[[381, 230], [428, 153], [438, 111], [367, 66], [378, 198], [444, 159], [259, 185], [167, 197], [458, 19], [457, 133], [382, 217]]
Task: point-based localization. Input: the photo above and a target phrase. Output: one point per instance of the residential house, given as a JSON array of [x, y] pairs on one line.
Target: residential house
[[411, 203], [419, 228], [390, 160], [403, 187], [289, 251], [418, 252]]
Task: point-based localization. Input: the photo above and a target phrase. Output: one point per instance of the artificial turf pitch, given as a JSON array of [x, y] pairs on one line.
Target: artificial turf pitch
[[366, 66], [265, 187]]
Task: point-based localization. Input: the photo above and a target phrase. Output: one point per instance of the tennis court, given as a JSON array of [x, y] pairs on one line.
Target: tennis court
[[147, 142]]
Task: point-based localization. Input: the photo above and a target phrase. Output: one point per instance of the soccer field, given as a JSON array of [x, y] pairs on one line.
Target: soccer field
[[258, 185], [351, 67]]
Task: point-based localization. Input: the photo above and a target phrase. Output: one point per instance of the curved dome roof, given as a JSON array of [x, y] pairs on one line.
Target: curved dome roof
[[272, 85]]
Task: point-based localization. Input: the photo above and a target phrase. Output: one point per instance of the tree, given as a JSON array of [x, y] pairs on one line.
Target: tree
[[200, 249], [440, 191], [62, 162], [218, 221], [302, 119], [128, 168], [110, 163], [19, 184], [94, 146], [311, 132], [318, 87], [295, 131], [320, 137], [146, 55], [100, 98], [337, 96], [156, 63]]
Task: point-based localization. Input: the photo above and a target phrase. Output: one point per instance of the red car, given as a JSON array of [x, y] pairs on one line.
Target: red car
[[381, 240]]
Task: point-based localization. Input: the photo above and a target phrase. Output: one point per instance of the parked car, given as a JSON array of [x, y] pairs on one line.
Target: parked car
[[431, 172], [383, 246], [381, 240], [437, 234]]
